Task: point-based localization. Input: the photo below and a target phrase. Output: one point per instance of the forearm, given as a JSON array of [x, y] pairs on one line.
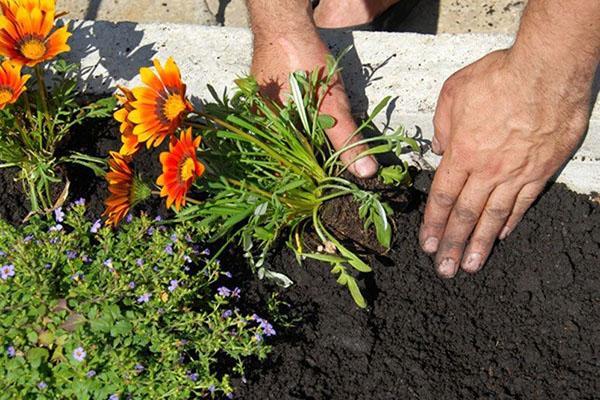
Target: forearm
[[270, 18], [560, 38]]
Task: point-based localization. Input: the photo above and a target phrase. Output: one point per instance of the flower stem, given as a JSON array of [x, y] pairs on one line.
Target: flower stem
[[42, 89]]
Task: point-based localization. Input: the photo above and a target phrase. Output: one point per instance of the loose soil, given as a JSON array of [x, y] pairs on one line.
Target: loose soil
[[526, 327]]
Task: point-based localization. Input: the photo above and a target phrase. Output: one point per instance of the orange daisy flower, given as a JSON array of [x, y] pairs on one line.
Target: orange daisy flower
[[130, 141], [26, 32], [180, 167], [12, 84], [160, 105], [125, 189]]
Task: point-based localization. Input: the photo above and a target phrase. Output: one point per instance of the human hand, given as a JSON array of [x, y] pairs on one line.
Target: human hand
[[274, 58], [504, 127]]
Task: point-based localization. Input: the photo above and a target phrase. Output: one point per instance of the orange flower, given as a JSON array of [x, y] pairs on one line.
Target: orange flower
[[125, 189], [130, 141], [26, 35], [12, 84], [160, 105], [180, 167]]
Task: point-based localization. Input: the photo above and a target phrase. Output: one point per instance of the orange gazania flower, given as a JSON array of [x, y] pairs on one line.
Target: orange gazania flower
[[26, 35], [130, 141], [12, 84], [180, 167], [160, 105]]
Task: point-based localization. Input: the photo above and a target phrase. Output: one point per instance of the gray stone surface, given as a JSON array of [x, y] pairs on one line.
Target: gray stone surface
[[408, 66]]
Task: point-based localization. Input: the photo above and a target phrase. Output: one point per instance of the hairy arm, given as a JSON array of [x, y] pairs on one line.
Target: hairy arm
[[504, 125]]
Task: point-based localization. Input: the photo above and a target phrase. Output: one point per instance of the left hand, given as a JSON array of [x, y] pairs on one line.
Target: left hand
[[504, 127]]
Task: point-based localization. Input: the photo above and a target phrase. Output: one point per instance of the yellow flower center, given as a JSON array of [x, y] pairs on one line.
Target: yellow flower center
[[188, 169], [173, 107], [6, 95], [33, 49]]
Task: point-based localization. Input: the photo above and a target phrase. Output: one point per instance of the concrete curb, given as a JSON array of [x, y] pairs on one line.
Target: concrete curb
[[410, 67]]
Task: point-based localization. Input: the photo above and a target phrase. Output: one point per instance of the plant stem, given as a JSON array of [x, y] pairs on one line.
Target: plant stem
[[187, 199], [42, 89]]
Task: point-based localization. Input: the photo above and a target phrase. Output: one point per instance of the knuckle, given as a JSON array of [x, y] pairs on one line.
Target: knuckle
[[451, 244], [480, 243], [443, 199], [465, 215], [497, 213]]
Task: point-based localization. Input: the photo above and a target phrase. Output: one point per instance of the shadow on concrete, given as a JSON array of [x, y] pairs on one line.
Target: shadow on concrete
[[422, 19], [220, 15], [92, 10], [119, 52]]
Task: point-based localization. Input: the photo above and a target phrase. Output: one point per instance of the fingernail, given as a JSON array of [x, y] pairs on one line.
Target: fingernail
[[365, 167], [447, 268], [505, 232], [473, 262], [435, 145], [431, 245]]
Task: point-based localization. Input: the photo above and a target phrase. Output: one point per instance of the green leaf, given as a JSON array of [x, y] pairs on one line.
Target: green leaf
[[121, 328], [100, 325], [355, 292], [36, 356], [32, 337], [326, 121]]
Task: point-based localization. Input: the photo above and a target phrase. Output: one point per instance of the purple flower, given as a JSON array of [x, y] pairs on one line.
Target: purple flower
[[144, 298], [229, 395], [10, 350], [169, 249], [131, 285], [223, 291], [139, 368], [42, 385], [226, 314], [129, 218], [187, 259], [79, 202], [227, 274], [71, 254], [108, 263], [56, 228], [6, 271], [77, 276], [188, 238], [211, 388], [193, 376], [2, 254], [86, 259], [96, 226], [139, 262], [268, 329], [155, 268], [28, 238], [114, 397], [206, 252], [150, 231], [158, 218], [47, 266], [258, 337], [59, 215], [79, 354], [235, 292], [91, 373], [173, 284], [54, 240], [173, 237]]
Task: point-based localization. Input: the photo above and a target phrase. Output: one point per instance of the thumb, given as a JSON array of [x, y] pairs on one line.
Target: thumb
[[337, 105], [442, 122]]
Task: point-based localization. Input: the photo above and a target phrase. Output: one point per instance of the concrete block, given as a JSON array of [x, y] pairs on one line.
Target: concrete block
[[408, 66]]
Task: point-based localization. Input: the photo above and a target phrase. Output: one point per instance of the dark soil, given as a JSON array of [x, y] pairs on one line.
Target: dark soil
[[526, 327]]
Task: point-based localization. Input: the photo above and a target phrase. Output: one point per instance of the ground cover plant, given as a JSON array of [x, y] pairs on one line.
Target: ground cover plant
[[266, 169], [34, 119], [89, 312]]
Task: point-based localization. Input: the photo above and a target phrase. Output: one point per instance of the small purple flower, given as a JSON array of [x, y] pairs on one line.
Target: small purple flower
[[150, 231], [96, 226], [91, 373], [226, 314], [173, 237], [173, 284], [131, 285], [47, 265], [86, 259], [59, 215], [2, 254], [6, 271], [235, 292], [129, 218], [268, 329], [77, 276], [223, 291], [187, 259], [186, 268], [258, 337], [54, 240], [206, 252], [10, 350], [229, 395], [155, 268], [211, 388], [79, 202], [139, 262], [108, 263], [56, 228], [28, 238], [169, 249], [188, 238], [193, 376], [158, 218], [139, 368], [144, 298], [114, 397], [79, 354], [42, 385], [227, 274], [71, 254]]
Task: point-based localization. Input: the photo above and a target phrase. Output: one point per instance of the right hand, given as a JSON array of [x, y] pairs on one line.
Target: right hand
[[275, 58]]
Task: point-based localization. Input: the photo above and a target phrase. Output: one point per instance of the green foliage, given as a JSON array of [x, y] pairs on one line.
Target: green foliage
[[141, 303], [32, 129], [270, 168]]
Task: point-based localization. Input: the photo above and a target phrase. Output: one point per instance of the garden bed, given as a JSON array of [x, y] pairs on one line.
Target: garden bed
[[527, 326]]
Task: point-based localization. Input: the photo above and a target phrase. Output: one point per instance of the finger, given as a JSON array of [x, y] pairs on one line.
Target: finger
[[490, 223], [337, 105], [527, 196], [447, 185], [461, 222]]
